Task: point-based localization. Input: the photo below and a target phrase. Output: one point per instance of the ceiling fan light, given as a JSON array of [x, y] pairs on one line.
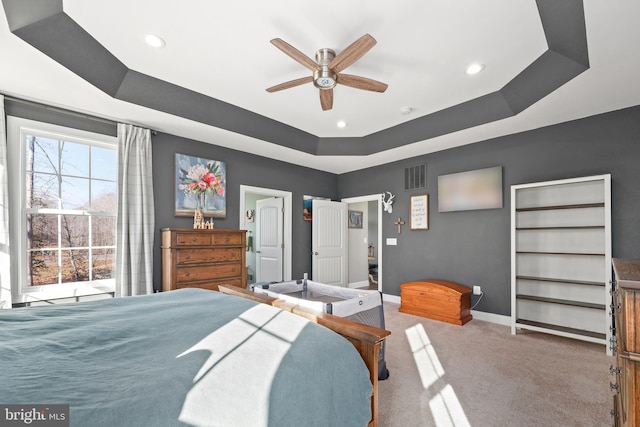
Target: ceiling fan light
[[324, 78], [474, 68], [154, 40]]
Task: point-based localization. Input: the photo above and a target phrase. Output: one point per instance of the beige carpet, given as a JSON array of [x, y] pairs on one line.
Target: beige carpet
[[481, 375]]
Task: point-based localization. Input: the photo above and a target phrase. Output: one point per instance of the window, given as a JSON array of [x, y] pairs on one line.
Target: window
[[64, 201]]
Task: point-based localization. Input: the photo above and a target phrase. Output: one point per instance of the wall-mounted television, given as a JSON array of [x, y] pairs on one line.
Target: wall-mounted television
[[477, 189]]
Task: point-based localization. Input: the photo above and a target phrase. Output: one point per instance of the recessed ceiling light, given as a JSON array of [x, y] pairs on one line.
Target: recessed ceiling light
[[341, 124], [154, 41], [475, 68]]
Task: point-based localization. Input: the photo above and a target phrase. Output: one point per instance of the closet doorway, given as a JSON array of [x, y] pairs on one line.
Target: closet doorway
[[249, 197], [365, 262]]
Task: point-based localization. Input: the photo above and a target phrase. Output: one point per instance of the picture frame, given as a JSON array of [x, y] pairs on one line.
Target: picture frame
[[307, 206], [355, 219], [200, 183], [419, 212]]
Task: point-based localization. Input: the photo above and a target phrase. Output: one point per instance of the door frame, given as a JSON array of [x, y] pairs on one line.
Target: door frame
[[372, 198], [288, 217]]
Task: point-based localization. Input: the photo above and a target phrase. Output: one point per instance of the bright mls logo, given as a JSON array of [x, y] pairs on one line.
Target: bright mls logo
[[34, 415]]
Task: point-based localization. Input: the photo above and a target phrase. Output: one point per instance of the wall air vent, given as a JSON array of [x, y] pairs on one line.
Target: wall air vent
[[415, 177]]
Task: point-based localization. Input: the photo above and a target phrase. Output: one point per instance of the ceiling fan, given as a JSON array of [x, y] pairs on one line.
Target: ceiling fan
[[327, 69]]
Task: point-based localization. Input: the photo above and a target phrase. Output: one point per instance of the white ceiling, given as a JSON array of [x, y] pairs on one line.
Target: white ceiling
[[222, 50]]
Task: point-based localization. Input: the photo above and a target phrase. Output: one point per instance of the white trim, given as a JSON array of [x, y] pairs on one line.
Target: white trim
[[16, 130], [605, 177], [512, 254], [355, 285], [288, 219], [391, 298], [477, 315], [373, 198], [491, 317]]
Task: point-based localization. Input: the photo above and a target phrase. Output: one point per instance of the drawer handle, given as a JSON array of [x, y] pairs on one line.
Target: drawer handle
[[188, 257], [227, 240], [194, 239], [187, 274]]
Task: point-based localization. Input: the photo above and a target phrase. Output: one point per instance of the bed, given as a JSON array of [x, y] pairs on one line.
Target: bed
[[190, 357]]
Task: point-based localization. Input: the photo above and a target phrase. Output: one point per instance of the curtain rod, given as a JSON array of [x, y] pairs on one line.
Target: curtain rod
[[67, 112]]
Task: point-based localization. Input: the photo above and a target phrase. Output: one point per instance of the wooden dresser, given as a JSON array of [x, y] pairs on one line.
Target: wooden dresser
[[203, 258], [626, 342]]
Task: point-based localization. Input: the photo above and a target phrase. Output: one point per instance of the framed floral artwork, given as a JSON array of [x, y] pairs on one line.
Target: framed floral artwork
[[200, 183]]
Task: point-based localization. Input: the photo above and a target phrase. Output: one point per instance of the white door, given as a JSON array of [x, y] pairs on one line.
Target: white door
[[329, 242], [269, 239]]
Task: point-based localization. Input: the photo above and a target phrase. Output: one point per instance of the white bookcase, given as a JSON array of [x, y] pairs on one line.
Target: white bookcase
[[561, 258]]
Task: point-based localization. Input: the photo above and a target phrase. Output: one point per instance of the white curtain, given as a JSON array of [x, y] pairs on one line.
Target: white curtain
[[5, 279], [136, 221]]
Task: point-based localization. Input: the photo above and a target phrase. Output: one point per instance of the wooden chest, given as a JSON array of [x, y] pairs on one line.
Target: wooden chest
[[437, 299], [203, 258]]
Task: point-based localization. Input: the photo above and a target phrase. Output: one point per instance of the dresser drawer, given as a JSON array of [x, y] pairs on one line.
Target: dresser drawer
[[192, 239], [208, 272], [207, 239], [208, 255], [628, 314], [629, 387], [227, 239]]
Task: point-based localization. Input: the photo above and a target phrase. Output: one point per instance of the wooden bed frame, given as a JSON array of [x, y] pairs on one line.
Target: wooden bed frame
[[366, 339]]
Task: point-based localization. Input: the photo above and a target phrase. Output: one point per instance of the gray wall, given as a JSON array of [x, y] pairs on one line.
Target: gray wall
[[473, 247], [242, 169], [470, 247]]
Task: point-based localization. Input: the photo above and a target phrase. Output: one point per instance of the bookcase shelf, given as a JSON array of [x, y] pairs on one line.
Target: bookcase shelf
[[575, 227], [562, 301], [548, 279], [561, 257], [573, 331], [558, 207], [559, 253]]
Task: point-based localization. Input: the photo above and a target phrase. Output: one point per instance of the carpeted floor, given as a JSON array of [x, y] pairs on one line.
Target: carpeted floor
[[480, 375]]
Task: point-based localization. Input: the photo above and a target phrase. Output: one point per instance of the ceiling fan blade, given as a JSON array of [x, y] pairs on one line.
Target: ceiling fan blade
[[352, 53], [291, 83], [363, 83], [295, 54], [326, 99]]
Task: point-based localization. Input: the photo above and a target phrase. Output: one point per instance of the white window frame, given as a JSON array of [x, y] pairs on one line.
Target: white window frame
[[17, 129]]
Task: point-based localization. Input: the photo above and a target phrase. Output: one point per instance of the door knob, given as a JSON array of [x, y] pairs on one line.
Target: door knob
[[258, 252], [316, 253]]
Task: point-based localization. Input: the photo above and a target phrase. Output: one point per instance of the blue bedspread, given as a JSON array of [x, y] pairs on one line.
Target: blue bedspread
[[186, 357]]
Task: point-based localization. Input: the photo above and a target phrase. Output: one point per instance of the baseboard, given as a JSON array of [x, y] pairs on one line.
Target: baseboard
[[391, 298], [491, 317], [479, 315], [361, 284]]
